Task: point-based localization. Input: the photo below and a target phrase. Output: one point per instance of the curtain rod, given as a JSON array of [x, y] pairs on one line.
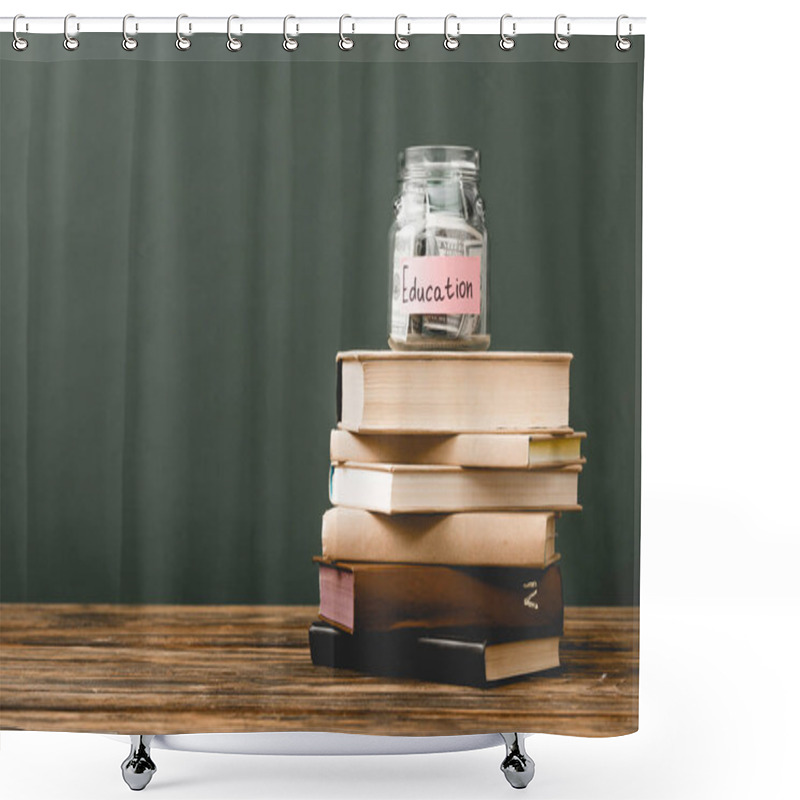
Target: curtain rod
[[567, 26]]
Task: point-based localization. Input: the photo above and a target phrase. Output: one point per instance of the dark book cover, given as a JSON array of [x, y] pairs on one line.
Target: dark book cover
[[360, 597], [457, 657]]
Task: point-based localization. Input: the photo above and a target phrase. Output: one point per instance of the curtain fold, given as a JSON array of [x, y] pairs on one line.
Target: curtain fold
[[189, 238]]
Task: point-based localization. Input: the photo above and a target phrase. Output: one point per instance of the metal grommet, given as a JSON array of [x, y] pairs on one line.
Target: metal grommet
[[507, 42], [70, 42], [128, 42], [181, 42], [233, 44], [18, 43], [345, 42], [622, 44], [401, 42], [451, 42], [289, 44], [560, 42]]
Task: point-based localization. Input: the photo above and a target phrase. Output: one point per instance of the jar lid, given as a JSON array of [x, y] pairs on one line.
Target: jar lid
[[421, 161]]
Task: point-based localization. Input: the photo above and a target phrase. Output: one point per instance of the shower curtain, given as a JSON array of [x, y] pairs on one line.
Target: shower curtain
[[189, 238]]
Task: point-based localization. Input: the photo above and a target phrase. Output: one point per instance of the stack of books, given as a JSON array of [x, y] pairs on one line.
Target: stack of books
[[448, 471]]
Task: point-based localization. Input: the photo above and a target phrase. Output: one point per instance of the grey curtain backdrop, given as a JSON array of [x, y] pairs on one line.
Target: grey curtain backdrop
[[189, 237]]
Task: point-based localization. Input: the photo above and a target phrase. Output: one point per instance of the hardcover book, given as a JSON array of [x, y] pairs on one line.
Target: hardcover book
[[405, 488], [386, 597], [479, 538], [500, 450], [464, 659], [452, 392]]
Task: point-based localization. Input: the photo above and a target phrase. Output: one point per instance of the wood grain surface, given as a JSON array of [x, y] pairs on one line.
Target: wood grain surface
[[194, 669]]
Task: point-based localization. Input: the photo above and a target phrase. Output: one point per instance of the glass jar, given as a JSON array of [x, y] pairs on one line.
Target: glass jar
[[438, 253]]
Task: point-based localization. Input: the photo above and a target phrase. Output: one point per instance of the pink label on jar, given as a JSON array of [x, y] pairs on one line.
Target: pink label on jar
[[439, 285]]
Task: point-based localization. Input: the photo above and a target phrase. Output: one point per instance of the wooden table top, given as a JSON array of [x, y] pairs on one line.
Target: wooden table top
[[194, 669]]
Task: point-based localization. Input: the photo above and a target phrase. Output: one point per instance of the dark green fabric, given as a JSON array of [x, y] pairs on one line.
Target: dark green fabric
[[188, 239]]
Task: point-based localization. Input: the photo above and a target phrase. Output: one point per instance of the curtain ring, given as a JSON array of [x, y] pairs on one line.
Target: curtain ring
[[622, 44], [289, 44], [181, 42], [18, 43], [401, 42], [451, 42], [507, 42], [560, 42], [128, 42], [233, 44], [345, 43], [70, 42]]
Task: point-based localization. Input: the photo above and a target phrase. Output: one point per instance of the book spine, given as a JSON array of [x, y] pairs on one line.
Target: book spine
[[397, 597], [473, 538]]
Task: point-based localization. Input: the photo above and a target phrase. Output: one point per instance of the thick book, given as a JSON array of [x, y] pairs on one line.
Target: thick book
[[500, 450], [479, 538], [452, 392], [407, 488], [464, 660], [360, 597]]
